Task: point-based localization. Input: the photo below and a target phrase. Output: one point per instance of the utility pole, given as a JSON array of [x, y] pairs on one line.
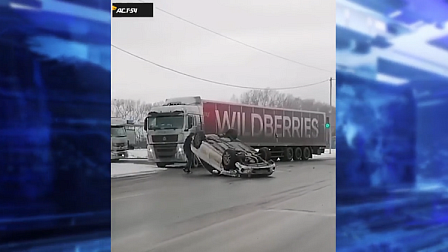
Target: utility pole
[[330, 140]]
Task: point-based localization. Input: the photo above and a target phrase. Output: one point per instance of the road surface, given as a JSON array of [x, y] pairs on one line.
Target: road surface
[[294, 210]]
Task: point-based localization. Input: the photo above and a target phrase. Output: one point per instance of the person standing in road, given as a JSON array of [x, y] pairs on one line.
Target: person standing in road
[[188, 153]]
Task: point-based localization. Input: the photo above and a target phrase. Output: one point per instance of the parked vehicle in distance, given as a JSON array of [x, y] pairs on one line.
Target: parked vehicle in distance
[[118, 139], [130, 133], [226, 155], [287, 134]]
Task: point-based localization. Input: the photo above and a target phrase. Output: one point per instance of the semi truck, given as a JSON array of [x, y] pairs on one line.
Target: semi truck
[[287, 134], [118, 139]]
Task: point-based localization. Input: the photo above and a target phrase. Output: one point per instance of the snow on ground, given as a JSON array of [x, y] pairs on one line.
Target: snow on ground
[[326, 155], [137, 153], [119, 170]]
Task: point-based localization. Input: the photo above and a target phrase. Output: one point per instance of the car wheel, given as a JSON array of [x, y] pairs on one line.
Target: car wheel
[[265, 153], [232, 134], [288, 154], [298, 153], [161, 165], [229, 159], [198, 138], [306, 153]]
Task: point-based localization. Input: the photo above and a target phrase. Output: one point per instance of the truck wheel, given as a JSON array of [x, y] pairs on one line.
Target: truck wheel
[[229, 159], [232, 134], [198, 138], [288, 154], [306, 153], [297, 153], [265, 153], [161, 165]]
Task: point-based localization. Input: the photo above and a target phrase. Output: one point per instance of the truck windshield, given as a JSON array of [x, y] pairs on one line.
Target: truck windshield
[[166, 122], [117, 131]]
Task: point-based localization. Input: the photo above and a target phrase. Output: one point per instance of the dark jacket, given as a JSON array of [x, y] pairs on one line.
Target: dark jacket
[[187, 144]]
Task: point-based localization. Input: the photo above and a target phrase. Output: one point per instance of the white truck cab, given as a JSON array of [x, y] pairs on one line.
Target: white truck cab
[[167, 127], [118, 139], [131, 128]]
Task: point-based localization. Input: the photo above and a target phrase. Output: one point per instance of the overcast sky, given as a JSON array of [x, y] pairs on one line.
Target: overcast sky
[[301, 30]]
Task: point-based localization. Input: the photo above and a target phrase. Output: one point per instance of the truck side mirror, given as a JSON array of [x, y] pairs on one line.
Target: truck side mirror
[[145, 125], [190, 122]]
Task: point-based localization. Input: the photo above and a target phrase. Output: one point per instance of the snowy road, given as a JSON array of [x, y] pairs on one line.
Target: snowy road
[[293, 210]]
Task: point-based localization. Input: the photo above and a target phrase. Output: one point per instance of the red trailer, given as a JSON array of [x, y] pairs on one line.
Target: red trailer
[[289, 134]]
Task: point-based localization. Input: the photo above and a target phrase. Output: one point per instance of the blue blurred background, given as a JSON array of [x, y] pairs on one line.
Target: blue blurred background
[[54, 127], [392, 103]]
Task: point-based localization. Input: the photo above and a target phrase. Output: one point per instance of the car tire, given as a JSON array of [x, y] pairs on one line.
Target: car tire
[[232, 134], [298, 154], [265, 153], [161, 165], [198, 138], [229, 159], [306, 153], [288, 154]]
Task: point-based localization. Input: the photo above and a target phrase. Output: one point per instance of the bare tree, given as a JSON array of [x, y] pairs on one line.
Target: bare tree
[[132, 110], [234, 98]]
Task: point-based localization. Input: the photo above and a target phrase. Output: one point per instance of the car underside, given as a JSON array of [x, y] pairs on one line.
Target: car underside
[[227, 156]]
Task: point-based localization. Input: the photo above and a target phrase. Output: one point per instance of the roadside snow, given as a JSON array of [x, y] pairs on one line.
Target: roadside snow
[[333, 151], [137, 153], [119, 170], [326, 155]]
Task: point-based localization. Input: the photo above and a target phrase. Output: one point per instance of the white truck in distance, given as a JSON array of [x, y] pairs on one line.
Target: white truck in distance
[[283, 134], [118, 139], [131, 128]]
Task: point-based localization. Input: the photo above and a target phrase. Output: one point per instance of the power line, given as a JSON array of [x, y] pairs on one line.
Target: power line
[[237, 41], [212, 81]]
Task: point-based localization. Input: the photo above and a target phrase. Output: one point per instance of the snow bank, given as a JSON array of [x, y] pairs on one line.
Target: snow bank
[[326, 155], [137, 153], [119, 170]]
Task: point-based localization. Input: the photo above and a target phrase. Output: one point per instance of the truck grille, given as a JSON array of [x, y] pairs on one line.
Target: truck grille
[[164, 138], [165, 150]]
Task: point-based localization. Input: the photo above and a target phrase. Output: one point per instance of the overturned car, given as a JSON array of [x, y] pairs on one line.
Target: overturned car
[[226, 155]]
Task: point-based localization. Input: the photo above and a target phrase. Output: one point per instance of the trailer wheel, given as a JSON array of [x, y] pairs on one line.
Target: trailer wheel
[[265, 153], [288, 154], [229, 159], [306, 153], [298, 154], [198, 138]]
